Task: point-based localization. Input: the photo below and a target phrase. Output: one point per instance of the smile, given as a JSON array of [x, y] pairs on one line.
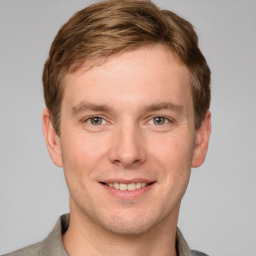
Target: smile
[[128, 190], [129, 186]]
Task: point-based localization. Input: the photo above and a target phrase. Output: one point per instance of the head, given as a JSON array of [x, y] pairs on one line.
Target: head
[[127, 95], [112, 27]]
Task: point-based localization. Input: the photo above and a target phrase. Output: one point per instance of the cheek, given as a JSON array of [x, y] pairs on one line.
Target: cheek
[[81, 155], [171, 151], [83, 148], [173, 156]]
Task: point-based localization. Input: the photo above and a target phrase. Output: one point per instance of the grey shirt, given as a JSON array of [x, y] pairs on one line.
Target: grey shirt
[[52, 245]]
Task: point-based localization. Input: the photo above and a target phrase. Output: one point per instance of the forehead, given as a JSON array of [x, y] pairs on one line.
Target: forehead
[[146, 74]]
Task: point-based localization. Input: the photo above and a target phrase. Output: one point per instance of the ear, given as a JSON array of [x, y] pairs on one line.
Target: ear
[[51, 138], [202, 141]]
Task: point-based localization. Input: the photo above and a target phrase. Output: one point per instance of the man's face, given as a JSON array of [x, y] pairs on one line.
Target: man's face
[[128, 123]]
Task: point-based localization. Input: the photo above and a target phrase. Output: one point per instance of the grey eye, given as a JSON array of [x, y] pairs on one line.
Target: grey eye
[[159, 120], [96, 120]]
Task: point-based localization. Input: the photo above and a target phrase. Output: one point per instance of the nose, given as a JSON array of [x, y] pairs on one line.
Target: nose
[[127, 147]]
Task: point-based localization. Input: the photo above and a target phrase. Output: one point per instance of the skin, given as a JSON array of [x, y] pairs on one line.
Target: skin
[[144, 132]]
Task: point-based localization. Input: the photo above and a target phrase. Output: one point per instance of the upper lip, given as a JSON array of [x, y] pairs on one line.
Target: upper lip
[[127, 181]]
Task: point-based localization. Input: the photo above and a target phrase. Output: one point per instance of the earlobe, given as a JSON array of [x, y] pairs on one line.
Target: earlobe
[[51, 138], [202, 141]]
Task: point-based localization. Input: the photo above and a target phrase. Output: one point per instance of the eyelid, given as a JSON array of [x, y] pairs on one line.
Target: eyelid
[[149, 118], [86, 119], [168, 119]]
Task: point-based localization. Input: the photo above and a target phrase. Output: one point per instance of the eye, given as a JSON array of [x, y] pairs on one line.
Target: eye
[[96, 120], [159, 120]]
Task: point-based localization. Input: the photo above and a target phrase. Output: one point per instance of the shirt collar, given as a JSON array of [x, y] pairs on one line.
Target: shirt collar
[[53, 245]]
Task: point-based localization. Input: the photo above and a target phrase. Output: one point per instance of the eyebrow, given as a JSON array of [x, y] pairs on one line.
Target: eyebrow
[[85, 106], [165, 105]]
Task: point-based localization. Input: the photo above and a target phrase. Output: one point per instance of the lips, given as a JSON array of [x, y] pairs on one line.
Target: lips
[[131, 189], [127, 186]]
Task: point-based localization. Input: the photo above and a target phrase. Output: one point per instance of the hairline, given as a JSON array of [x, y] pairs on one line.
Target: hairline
[[98, 60]]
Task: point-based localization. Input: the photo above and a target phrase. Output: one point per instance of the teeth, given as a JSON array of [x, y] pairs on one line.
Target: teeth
[[116, 185], [130, 186], [138, 185], [123, 186]]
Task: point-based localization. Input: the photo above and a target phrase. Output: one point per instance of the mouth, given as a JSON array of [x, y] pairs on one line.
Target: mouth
[[127, 186]]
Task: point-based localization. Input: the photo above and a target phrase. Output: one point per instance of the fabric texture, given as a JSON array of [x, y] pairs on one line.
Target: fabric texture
[[52, 245]]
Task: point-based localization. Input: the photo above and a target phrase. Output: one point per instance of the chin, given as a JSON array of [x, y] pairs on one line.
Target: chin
[[129, 229], [131, 224]]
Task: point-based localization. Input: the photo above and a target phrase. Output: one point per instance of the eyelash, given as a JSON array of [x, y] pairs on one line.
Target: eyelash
[[94, 117], [166, 120]]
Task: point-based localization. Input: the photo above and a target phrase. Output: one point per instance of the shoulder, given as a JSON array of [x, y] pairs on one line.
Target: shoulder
[[30, 250], [197, 253], [51, 246]]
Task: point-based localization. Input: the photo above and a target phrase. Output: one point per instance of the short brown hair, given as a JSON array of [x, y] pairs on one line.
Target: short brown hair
[[110, 27]]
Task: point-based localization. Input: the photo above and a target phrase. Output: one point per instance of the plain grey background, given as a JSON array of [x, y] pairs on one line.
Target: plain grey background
[[219, 209]]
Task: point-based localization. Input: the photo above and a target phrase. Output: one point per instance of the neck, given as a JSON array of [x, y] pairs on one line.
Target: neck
[[84, 235]]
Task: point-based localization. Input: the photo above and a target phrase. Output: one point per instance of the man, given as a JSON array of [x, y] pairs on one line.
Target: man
[[127, 115]]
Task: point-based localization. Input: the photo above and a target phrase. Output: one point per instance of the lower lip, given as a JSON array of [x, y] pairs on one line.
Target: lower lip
[[128, 194]]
